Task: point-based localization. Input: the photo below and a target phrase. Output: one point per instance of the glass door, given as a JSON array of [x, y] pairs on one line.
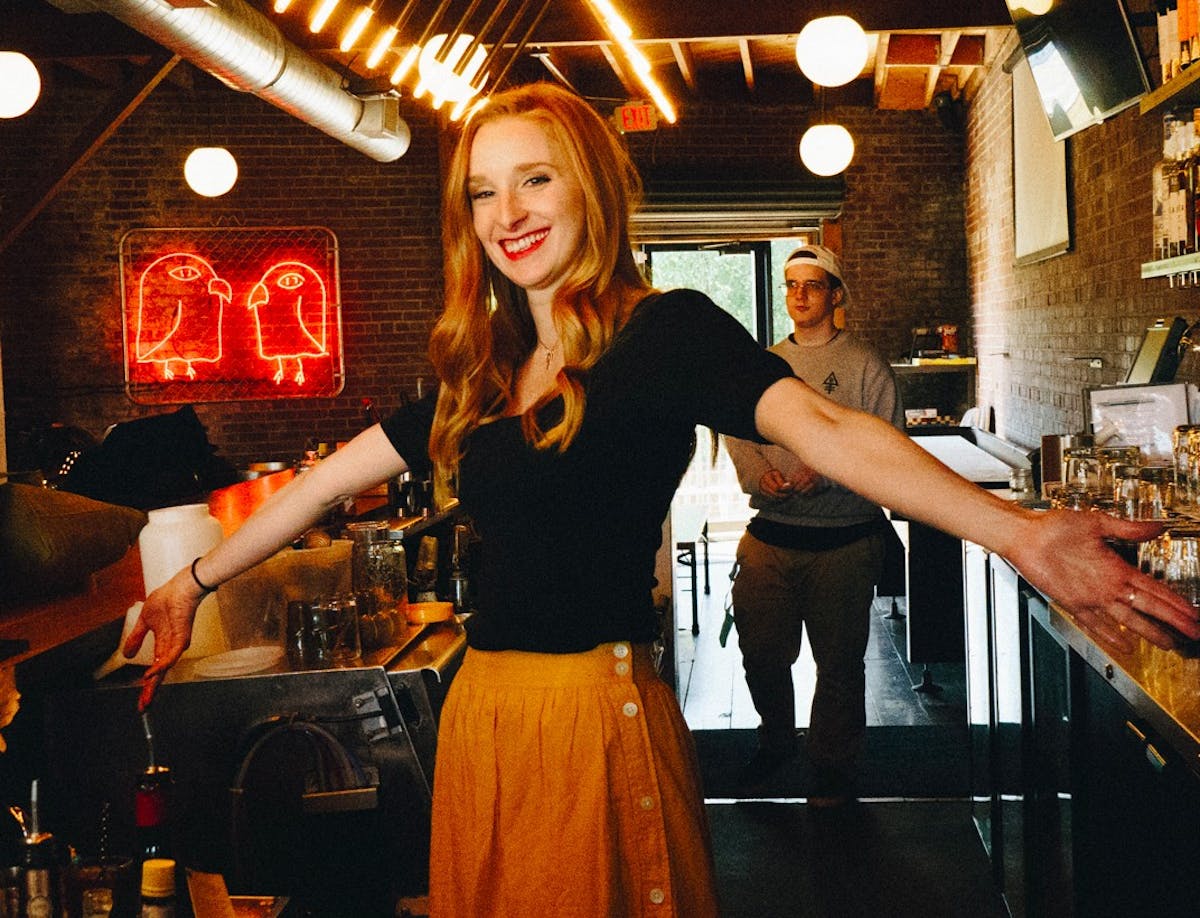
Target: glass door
[[744, 279], [710, 511]]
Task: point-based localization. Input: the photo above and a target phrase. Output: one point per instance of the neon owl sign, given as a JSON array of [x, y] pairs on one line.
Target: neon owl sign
[[289, 315], [226, 314], [181, 304]]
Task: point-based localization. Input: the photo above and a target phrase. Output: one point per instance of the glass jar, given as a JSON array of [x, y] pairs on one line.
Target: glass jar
[[379, 572]]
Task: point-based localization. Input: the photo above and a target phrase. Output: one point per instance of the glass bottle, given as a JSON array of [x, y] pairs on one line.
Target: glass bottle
[[152, 811], [158, 888], [459, 584]]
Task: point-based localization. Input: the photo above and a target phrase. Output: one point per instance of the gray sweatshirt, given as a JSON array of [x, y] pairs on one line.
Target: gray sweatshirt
[[850, 372]]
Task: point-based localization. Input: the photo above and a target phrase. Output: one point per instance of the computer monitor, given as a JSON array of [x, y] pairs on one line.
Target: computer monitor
[[1158, 357]]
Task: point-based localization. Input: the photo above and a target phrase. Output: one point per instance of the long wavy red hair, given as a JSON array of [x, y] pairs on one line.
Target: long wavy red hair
[[486, 331]]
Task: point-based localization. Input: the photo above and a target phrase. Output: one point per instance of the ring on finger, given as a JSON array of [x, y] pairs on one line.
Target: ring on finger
[[1131, 599]]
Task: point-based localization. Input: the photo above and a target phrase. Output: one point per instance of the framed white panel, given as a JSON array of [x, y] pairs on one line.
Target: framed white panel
[[1040, 193]]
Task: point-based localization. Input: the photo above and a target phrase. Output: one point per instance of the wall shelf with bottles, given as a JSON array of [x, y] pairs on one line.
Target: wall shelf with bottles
[[1178, 97], [1172, 267], [1178, 92]]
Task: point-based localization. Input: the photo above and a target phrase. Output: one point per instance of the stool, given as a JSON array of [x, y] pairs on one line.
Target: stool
[[691, 522]]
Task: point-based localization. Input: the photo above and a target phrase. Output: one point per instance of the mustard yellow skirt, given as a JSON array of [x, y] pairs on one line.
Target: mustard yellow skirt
[[567, 785]]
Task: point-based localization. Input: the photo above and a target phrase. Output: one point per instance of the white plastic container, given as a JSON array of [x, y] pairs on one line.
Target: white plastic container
[[172, 538]]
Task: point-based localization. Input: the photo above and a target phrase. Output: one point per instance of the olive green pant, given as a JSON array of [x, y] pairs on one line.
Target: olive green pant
[[780, 593]]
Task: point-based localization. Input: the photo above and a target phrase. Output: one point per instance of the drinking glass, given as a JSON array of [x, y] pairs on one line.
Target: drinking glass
[[1181, 567], [1127, 485], [1081, 469], [331, 636], [1185, 448], [1156, 492], [1108, 458]]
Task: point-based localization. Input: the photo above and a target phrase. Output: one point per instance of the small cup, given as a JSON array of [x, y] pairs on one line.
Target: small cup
[[334, 627], [107, 886], [1072, 498], [1020, 483]]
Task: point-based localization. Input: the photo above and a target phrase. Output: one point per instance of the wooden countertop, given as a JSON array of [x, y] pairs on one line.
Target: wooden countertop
[[1162, 686], [50, 624]]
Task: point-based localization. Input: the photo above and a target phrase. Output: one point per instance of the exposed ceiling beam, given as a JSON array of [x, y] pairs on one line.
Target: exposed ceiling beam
[[557, 69], [618, 67], [721, 19], [747, 63], [123, 103], [686, 64]]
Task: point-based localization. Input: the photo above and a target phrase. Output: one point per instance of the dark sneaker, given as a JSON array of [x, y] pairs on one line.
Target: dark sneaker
[[764, 763]]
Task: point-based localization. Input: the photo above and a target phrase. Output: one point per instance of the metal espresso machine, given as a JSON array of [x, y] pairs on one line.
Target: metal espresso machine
[[310, 784]]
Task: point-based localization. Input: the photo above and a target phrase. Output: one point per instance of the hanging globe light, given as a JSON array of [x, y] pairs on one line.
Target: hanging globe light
[[20, 84], [832, 50], [826, 149], [210, 171], [439, 77]]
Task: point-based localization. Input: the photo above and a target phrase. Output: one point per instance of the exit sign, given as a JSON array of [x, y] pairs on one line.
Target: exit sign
[[636, 116]]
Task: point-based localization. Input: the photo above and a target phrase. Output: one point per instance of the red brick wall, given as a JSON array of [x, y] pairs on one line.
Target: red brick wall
[[1030, 321], [60, 327], [60, 287], [902, 221]]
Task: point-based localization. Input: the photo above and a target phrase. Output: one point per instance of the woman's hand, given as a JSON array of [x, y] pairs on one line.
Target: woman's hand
[[1068, 557], [168, 613]]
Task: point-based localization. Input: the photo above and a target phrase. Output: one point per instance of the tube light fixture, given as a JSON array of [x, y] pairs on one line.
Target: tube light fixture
[[380, 48], [405, 65], [321, 16], [383, 42], [622, 34], [357, 26], [281, 6]]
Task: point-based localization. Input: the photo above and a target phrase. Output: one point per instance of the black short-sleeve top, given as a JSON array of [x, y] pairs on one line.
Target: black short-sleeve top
[[569, 539]]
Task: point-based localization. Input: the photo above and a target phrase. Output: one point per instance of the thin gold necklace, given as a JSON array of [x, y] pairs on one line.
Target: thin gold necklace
[[549, 349]]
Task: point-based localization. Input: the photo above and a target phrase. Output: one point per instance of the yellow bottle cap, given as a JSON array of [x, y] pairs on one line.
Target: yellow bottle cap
[[158, 878]]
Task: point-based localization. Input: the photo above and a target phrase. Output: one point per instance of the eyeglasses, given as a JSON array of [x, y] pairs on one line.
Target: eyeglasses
[[808, 286]]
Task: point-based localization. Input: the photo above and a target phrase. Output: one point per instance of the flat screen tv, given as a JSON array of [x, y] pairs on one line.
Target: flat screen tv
[[1085, 60]]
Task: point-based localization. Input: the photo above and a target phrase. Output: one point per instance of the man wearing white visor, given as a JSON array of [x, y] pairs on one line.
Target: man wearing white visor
[[812, 554]]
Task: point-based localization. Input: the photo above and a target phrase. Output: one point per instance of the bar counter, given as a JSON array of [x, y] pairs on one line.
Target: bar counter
[[76, 623], [1162, 686]]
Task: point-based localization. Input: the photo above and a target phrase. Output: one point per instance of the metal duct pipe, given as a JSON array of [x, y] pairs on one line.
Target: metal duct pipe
[[246, 51]]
